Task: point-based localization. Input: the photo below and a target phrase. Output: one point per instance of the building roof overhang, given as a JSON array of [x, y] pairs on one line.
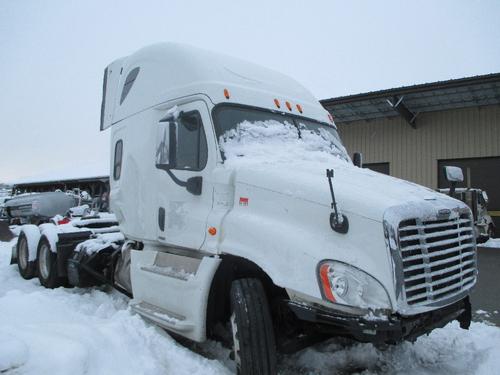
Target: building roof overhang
[[409, 101]]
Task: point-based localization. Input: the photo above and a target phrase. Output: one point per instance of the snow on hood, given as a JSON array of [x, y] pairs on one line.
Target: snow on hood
[[271, 155]]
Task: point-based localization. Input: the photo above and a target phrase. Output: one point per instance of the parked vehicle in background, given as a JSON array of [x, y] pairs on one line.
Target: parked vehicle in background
[[245, 220], [477, 200], [3, 199], [38, 208]]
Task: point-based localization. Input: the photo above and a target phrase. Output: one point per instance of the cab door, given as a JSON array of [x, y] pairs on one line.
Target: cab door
[[184, 191]]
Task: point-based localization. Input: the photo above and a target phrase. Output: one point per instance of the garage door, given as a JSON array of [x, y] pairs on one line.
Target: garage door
[[481, 173]]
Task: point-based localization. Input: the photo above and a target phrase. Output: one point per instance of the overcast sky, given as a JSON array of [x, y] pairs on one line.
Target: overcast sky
[[53, 53]]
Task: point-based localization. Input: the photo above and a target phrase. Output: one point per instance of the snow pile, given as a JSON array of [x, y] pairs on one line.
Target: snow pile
[[445, 351], [87, 331], [82, 331], [271, 142], [492, 242]]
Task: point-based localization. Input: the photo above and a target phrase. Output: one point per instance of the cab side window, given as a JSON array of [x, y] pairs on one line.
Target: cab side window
[[117, 164], [192, 152]]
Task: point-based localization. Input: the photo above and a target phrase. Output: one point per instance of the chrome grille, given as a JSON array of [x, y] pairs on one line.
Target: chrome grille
[[439, 258]]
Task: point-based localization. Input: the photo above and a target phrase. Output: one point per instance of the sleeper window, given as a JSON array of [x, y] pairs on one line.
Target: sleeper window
[[117, 165], [129, 81]]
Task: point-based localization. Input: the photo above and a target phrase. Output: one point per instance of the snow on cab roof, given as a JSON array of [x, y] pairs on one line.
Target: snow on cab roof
[[170, 70], [77, 171]]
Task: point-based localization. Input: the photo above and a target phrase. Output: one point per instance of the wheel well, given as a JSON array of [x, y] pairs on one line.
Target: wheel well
[[234, 268]]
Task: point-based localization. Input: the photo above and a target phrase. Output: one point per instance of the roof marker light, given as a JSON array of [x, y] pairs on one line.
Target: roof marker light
[[226, 93], [288, 105], [299, 108], [277, 103]]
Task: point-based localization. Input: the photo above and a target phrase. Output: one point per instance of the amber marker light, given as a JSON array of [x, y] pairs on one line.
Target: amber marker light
[[226, 93], [288, 105], [212, 231], [277, 103], [299, 108], [325, 282]]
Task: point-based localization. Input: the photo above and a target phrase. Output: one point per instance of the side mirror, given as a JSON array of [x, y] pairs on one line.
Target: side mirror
[[194, 185], [166, 148], [357, 159], [453, 175]]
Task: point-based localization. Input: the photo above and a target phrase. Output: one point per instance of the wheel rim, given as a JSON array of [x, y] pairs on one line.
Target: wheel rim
[[236, 341], [44, 261], [23, 254]]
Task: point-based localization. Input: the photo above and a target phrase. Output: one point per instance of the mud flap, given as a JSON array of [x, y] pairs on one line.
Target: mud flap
[[13, 256], [5, 233], [122, 269], [66, 244], [465, 318]]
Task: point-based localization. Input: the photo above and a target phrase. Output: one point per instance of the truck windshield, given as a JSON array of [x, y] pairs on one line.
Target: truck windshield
[[227, 119]]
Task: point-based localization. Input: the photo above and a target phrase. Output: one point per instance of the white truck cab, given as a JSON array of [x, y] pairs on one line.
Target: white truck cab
[[244, 213]]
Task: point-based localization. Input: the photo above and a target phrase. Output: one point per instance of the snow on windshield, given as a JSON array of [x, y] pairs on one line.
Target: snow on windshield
[[271, 141]]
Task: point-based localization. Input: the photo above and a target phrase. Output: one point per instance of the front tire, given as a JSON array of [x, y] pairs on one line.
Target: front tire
[[47, 265], [27, 268], [251, 324]]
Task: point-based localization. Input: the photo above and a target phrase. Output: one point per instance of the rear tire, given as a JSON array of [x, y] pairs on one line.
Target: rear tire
[[27, 268], [252, 328], [47, 265]]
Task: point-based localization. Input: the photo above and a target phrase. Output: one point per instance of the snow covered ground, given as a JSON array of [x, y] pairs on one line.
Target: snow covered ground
[[492, 242], [91, 331], [82, 331]]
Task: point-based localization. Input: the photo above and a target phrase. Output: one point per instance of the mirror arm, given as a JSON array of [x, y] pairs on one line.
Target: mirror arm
[[453, 185], [193, 184], [338, 222]]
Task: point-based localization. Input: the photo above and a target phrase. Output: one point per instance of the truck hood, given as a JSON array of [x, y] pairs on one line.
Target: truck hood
[[357, 190]]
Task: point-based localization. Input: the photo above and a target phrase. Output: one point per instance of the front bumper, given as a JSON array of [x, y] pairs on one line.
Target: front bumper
[[393, 329]]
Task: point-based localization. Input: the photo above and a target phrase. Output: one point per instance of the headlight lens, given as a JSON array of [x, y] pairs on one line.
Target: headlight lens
[[348, 285]]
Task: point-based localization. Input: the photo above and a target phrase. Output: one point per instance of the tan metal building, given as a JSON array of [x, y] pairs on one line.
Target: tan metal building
[[412, 132]]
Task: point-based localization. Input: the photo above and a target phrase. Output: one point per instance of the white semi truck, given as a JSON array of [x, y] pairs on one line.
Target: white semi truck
[[245, 220]]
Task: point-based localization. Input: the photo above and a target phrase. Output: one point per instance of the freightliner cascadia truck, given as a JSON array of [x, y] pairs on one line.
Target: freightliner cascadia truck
[[244, 219]]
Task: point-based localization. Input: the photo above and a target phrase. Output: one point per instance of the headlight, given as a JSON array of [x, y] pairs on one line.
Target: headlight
[[347, 285]]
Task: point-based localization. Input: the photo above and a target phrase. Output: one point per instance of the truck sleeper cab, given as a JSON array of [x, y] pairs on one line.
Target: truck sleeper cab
[[259, 250]]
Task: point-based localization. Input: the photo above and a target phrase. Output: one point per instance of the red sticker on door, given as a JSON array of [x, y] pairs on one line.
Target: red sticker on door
[[243, 201]]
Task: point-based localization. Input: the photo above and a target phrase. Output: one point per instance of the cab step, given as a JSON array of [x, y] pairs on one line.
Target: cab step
[[162, 317]]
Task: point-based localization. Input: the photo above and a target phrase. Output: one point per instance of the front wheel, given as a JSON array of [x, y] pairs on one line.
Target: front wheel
[[252, 329], [47, 265], [27, 268]]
